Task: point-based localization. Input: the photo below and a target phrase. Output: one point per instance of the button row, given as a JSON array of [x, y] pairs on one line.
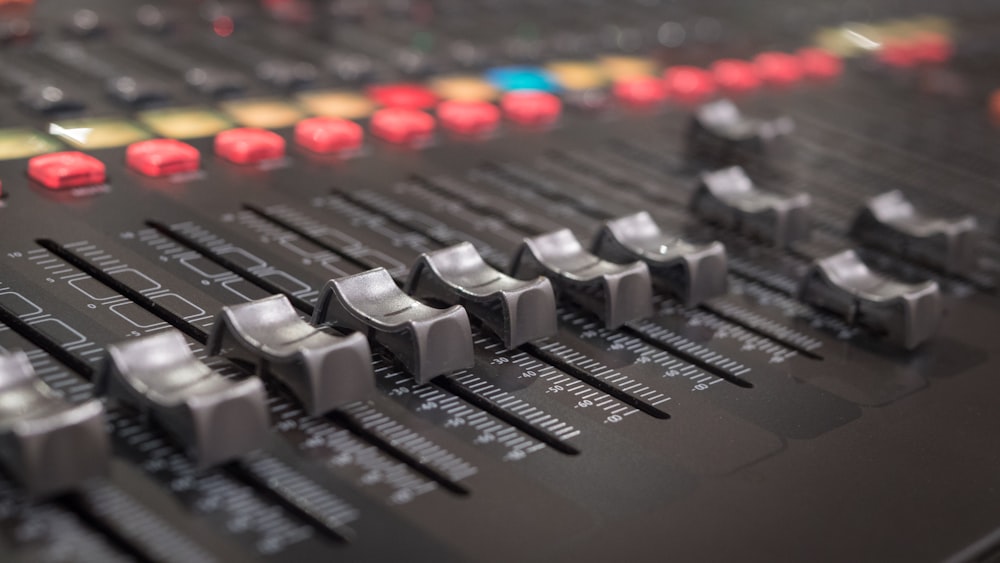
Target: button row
[[689, 84]]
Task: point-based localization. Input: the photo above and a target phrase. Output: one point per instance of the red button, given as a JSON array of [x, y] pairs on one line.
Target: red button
[[162, 157], [249, 145], [689, 84], [735, 75], [640, 91], [778, 69], [899, 54], [61, 170], [820, 64], [529, 107], [995, 106], [402, 125], [468, 117], [328, 135], [412, 96], [930, 47]]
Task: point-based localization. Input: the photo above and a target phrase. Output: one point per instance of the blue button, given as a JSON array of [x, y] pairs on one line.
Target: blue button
[[509, 78]]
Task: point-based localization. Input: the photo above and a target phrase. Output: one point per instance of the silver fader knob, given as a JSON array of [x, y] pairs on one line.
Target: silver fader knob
[[907, 313], [891, 223], [693, 272], [427, 341], [214, 418], [516, 310], [322, 370], [48, 444], [719, 132], [728, 198], [617, 293]]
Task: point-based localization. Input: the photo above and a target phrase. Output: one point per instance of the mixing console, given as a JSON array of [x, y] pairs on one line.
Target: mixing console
[[499, 280]]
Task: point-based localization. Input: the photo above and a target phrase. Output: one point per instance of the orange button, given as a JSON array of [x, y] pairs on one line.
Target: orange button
[[995, 105], [530, 107], [162, 157], [734, 75], [640, 91], [402, 125], [778, 69], [70, 169], [412, 96], [329, 135], [468, 117], [688, 83], [249, 145], [820, 64]]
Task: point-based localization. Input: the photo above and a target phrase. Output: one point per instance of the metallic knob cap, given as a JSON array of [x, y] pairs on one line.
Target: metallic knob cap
[[692, 272], [322, 370], [427, 341], [46, 443], [215, 419], [907, 314], [617, 293]]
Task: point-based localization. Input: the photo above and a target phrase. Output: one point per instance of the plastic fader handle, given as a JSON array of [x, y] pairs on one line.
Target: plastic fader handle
[[46, 443], [891, 223], [908, 314], [729, 198], [692, 272], [617, 293], [322, 370], [215, 419], [427, 341], [518, 311]]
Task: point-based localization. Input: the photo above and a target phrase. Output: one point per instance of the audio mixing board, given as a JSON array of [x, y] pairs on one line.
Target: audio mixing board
[[499, 280]]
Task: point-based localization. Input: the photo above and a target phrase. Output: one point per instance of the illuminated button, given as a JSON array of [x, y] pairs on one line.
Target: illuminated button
[[333, 103], [820, 64], [402, 125], [531, 108], [734, 75], [576, 75], [468, 118], [464, 88], [185, 123], [640, 91], [328, 135], [98, 133], [21, 143], [688, 83], [162, 157], [618, 67], [778, 69], [410, 96], [995, 105], [70, 169], [512, 78], [265, 113], [249, 145]]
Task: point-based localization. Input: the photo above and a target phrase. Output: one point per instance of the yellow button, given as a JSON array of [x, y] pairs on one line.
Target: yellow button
[[264, 113], [22, 143], [98, 133], [618, 67], [185, 123], [850, 40], [577, 75], [463, 87], [337, 103]]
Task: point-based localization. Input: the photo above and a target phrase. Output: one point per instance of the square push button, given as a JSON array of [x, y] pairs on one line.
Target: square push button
[[162, 157], [249, 145], [329, 135], [69, 169]]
